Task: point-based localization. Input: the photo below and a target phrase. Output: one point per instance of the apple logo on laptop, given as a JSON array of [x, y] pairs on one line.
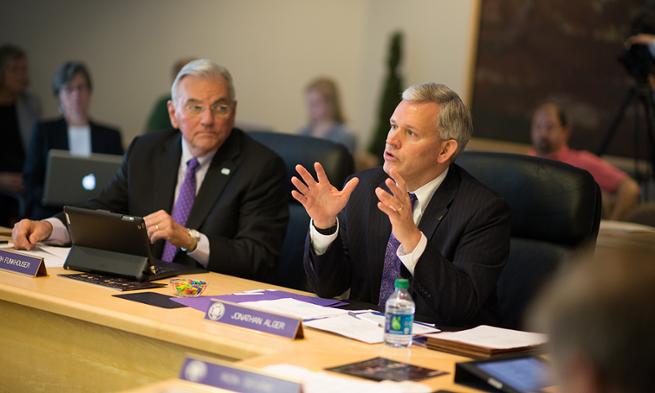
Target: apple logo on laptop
[[89, 182]]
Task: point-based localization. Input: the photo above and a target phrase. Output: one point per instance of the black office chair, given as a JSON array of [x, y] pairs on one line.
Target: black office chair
[[304, 150], [555, 210]]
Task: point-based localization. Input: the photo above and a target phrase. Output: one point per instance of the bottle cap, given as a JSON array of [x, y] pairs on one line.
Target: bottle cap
[[401, 283]]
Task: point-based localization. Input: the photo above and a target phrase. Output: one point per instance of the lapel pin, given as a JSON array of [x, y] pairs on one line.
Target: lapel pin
[[225, 171]]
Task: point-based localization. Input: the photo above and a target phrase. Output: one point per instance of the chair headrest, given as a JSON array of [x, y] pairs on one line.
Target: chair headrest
[[306, 150], [549, 200]]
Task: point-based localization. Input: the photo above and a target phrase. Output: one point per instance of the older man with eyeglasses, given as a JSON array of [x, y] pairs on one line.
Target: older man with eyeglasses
[[209, 194]]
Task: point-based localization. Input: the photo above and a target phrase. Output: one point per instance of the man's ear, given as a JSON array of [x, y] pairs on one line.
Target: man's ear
[[567, 133], [171, 113], [447, 151]]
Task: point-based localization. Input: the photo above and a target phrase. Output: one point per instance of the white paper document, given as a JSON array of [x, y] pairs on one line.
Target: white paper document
[[348, 326], [494, 337], [6, 245], [53, 256], [366, 327], [295, 308], [323, 382]]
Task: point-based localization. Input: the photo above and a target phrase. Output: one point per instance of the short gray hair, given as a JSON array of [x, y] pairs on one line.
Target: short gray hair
[[65, 74], [203, 68], [9, 52], [454, 120]]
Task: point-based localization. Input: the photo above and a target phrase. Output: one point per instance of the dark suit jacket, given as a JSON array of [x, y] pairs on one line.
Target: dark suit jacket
[[53, 134], [454, 282], [243, 212]]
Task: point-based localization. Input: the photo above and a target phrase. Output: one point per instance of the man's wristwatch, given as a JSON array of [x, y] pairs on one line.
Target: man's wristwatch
[[195, 238], [326, 231]]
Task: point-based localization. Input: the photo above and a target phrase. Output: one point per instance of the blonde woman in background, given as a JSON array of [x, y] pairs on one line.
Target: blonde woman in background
[[326, 119]]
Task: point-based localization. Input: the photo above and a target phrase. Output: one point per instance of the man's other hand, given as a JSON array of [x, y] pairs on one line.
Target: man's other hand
[[160, 225], [27, 233], [320, 198]]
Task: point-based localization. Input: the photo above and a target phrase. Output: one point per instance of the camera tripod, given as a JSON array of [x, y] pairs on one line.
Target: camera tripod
[[642, 92]]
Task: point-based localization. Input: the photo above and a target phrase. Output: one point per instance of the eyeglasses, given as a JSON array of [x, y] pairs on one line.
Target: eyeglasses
[[220, 109], [70, 89]]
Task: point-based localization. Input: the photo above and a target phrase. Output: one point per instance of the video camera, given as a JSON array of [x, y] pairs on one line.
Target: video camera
[[638, 60]]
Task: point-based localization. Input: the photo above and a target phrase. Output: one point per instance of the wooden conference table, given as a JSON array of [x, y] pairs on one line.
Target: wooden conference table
[[61, 335]]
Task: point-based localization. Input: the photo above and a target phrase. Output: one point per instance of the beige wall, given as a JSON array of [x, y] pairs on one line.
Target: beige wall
[[272, 48]]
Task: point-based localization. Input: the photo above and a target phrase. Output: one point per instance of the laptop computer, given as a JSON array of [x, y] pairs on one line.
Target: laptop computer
[[72, 179], [116, 244]]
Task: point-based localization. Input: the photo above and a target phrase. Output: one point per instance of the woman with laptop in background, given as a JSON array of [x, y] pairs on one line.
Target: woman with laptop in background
[[74, 132]]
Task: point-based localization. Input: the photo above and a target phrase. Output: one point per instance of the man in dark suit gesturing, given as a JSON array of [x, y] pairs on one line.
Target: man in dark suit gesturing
[[420, 216], [209, 194]]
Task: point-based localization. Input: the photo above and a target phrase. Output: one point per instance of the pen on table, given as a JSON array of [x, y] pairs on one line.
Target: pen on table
[[356, 315], [427, 324]]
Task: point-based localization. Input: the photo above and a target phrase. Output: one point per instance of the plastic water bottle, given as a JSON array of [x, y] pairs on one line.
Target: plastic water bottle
[[399, 316]]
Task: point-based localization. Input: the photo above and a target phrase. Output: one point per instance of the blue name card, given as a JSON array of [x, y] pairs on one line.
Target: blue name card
[[238, 315], [22, 264], [236, 379]]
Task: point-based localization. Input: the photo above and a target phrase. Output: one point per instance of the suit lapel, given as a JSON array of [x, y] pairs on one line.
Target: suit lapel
[[94, 139], [61, 138], [165, 169], [221, 169], [438, 206], [379, 232]]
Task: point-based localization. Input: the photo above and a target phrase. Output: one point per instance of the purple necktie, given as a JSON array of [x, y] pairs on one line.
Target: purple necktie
[[183, 205], [391, 269]]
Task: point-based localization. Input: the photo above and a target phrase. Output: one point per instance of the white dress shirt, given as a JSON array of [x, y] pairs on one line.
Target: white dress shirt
[[60, 233], [320, 242], [79, 140]]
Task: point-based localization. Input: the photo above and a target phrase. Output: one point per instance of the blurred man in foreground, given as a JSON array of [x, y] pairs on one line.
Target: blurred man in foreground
[[600, 316]]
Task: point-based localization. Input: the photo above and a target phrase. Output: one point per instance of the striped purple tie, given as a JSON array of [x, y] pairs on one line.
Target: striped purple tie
[[183, 205], [391, 269]]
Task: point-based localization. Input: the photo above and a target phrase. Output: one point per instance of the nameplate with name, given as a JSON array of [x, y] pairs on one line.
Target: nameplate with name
[[263, 321], [22, 264], [233, 378]]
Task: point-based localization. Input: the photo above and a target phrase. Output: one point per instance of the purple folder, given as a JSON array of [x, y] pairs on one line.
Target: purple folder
[[202, 303]]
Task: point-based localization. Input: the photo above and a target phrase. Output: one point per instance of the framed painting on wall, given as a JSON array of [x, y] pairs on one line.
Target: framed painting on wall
[[531, 51]]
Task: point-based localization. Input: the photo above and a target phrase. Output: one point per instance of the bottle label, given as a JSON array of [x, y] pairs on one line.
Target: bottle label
[[399, 323]]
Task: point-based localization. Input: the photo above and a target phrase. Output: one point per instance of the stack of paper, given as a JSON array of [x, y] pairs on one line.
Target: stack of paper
[[486, 341], [5, 237]]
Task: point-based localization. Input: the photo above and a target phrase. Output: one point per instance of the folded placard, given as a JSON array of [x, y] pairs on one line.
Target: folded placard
[[263, 321], [234, 378], [17, 262]]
